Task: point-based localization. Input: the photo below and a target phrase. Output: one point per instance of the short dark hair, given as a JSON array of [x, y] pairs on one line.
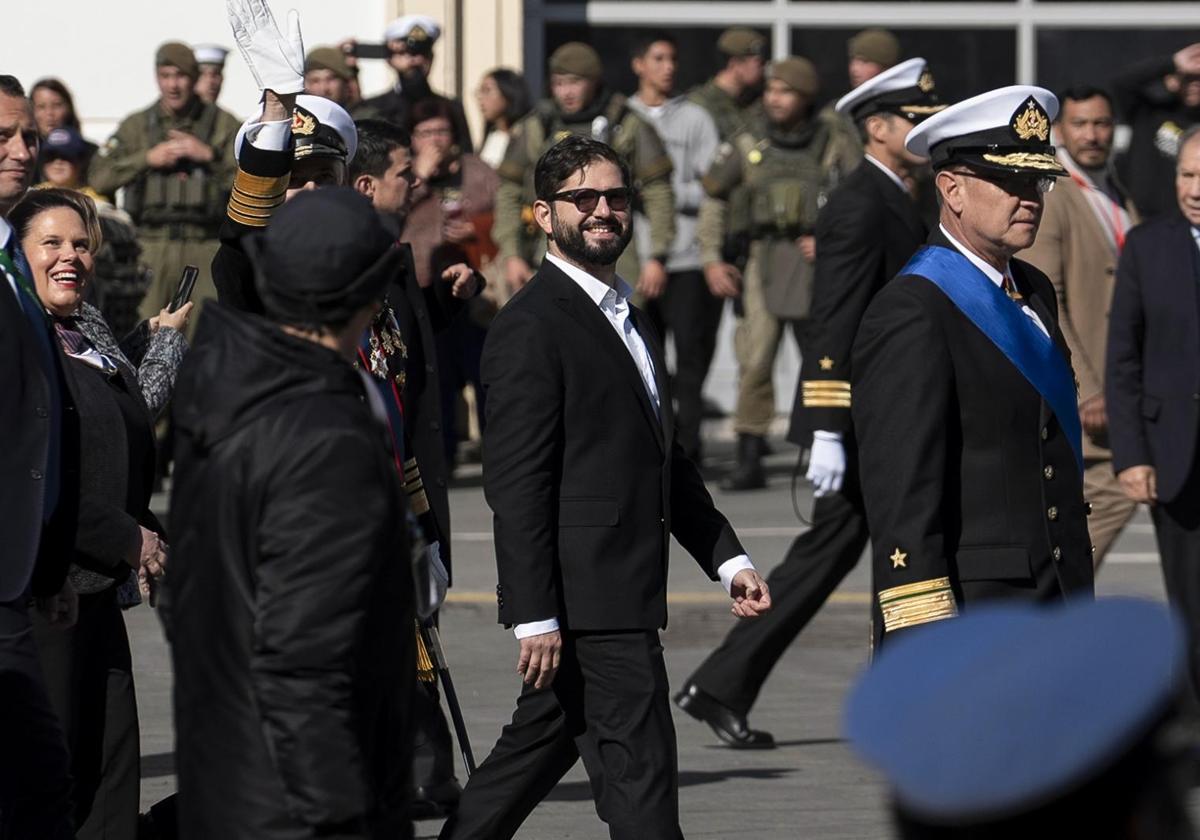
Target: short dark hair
[[515, 92], [36, 202], [432, 108], [56, 86], [1080, 93], [377, 139], [645, 40], [568, 156], [11, 86]]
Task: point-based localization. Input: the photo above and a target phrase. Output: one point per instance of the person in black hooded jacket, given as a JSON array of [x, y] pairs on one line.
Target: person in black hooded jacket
[[289, 607]]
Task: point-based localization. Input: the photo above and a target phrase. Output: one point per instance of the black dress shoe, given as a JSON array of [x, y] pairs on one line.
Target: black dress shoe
[[435, 801], [728, 724]]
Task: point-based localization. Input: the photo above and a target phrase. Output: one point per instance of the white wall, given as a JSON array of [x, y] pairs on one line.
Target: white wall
[[104, 49]]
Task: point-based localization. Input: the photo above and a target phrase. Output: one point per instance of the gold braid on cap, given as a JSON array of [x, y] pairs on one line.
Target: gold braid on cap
[[1032, 160]]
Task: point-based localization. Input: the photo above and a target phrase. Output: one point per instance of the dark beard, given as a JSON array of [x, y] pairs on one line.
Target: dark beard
[[574, 247]]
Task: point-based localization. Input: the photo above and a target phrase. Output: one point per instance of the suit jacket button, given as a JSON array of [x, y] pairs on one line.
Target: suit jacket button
[[1048, 472], [1052, 513], [1056, 553], [1087, 508], [41, 412], [1045, 432], [36, 475]]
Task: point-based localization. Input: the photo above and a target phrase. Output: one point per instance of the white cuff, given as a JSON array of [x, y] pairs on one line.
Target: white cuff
[[272, 136], [823, 435], [535, 628], [728, 570]]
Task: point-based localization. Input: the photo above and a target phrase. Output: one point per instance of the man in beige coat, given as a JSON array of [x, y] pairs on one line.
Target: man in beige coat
[[1082, 232]]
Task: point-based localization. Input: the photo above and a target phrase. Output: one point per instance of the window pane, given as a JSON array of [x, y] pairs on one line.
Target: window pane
[[964, 61]]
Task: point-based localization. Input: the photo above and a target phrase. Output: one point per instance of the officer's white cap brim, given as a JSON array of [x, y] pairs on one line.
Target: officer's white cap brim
[[979, 113]]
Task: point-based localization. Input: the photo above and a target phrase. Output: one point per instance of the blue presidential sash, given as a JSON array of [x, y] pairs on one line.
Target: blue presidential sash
[[1030, 350]]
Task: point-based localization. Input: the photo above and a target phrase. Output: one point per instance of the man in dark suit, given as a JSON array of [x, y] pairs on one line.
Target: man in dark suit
[[1153, 383], [37, 530], [964, 402], [588, 483], [865, 234]]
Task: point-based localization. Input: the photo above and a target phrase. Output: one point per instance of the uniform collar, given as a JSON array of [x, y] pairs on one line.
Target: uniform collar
[[990, 272], [892, 175]]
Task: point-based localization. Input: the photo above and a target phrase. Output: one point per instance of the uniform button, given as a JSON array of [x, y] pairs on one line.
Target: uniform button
[[436, 426], [1048, 472], [1052, 514], [429, 368], [1087, 508], [1045, 432], [41, 412], [36, 475], [1056, 553], [441, 482]]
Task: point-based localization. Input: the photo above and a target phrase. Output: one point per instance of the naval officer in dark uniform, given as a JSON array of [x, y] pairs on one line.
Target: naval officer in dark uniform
[[964, 404], [865, 234]]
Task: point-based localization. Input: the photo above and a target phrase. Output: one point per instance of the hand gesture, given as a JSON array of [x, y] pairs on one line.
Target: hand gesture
[[163, 155], [808, 247], [189, 146], [1139, 483], [458, 231], [466, 282], [723, 279], [176, 320], [276, 61], [1187, 60], [540, 658], [826, 464], [750, 596], [652, 281]]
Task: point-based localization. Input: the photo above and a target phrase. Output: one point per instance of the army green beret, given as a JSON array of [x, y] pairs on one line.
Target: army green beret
[[179, 56], [740, 41], [797, 73], [577, 59], [877, 45], [329, 58]]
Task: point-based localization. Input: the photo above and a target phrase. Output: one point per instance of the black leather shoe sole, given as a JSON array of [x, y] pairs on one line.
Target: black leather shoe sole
[[729, 726]]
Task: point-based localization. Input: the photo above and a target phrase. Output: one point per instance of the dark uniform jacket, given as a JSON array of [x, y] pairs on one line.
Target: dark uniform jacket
[[33, 383], [420, 313], [587, 486], [1157, 120], [865, 234], [1152, 388], [290, 595], [972, 490]]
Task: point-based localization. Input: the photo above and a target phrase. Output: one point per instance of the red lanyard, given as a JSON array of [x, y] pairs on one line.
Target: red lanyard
[[1118, 228]]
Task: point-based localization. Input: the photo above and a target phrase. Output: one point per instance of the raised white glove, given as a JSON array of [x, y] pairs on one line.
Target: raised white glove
[[275, 61], [826, 463]]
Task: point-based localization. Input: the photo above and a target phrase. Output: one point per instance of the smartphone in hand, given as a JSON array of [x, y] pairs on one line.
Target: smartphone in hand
[[183, 293]]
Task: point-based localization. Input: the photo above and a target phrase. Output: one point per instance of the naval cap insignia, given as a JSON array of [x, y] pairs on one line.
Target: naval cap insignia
[[1030, 121]]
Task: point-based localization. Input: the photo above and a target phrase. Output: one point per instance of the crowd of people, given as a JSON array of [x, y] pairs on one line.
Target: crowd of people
[[373, 297]]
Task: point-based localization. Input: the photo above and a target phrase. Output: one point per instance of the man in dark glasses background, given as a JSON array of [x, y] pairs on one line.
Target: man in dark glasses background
[[588, 484]]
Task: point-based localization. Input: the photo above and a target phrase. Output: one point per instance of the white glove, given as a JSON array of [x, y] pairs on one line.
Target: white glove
[[826, 463], [276, 62]]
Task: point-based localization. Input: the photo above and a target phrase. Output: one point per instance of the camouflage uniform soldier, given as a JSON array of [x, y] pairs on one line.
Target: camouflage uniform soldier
[[731, 96], [582, 105], [175, 162], [779, 177]]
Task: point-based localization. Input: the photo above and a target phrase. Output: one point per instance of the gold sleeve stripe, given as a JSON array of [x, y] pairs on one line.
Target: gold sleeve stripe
[[270, 202], [260, 186], [825, 394], [248, 220], [917, 603], [236, 205], [822, 385], [826, 402]]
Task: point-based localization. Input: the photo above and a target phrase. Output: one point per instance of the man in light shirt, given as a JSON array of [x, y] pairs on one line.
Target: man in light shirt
[[588, 484]]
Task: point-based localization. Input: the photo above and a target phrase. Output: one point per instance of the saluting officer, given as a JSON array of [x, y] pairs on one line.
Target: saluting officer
[[964, 401], [773, 181], [865, 234], [175, 162], [582, 104]]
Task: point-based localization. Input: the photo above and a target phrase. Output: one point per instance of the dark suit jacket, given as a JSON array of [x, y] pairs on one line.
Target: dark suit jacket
[[586, 485], [865, 234], [394, 106], [30, 550], [1152, 368], [967, 477]]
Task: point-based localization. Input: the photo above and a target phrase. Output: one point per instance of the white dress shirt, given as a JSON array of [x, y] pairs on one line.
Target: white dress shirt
[[614, 303], [993, 275], [6, 232]]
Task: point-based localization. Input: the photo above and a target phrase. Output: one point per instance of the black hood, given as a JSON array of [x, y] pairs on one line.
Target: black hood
[[242, 365]]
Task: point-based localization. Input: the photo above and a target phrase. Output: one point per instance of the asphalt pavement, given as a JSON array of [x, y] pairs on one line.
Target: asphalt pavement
[[811, 786]]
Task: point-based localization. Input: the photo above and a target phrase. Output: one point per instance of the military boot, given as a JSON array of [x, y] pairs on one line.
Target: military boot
[[748, 473]]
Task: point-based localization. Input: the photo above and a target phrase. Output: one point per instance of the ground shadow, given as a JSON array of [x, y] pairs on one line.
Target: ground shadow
[[582, 791]]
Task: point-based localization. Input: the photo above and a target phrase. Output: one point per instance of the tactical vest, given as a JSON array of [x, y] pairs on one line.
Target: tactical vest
[[783, 189], [187, 194], [617, 126]]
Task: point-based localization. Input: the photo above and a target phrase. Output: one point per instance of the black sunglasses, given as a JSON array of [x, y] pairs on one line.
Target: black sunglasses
[[587, 200], [1013, 184]]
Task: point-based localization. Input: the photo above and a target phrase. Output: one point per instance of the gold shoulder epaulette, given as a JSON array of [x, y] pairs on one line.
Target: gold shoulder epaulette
[[255, 197], [917, 603]]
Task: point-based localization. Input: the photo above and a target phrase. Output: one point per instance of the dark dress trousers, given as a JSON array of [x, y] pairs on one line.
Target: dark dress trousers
[[865, 235], [37, 418], [587, 485], [972, 489], [1152, 391]]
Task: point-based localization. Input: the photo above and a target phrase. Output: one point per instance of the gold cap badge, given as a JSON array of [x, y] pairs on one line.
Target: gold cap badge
[[1031, 121], [925, 83], [303, 123]]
